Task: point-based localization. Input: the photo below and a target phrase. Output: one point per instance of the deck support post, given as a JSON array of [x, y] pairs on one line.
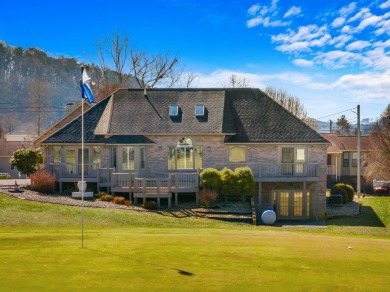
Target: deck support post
[[260, 198]]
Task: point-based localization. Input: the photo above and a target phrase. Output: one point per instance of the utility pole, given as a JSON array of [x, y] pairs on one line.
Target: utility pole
[[358, 152], [330, 126]]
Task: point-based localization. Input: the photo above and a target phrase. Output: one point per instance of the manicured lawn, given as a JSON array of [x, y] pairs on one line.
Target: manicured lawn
[[40, 249]]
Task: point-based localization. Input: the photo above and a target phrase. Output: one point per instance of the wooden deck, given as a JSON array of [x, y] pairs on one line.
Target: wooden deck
[[156, 188]]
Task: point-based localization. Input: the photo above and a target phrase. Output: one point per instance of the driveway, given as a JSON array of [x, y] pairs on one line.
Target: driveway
[[11, 182]]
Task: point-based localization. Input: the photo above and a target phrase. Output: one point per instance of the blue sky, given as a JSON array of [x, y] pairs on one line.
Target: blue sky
[[333, 55]]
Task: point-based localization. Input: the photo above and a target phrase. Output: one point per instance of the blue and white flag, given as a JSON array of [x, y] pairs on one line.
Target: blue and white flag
[[86, 86]]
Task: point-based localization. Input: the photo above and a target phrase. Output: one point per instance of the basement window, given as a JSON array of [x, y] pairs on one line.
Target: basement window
[[199, 110], [173, 110]]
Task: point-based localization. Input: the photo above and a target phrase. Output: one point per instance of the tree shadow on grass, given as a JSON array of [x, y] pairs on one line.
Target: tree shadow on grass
[[181, 272], [367, 217]]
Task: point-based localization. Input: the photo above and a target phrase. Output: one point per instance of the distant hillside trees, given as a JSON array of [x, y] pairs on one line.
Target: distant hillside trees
[[19, 70], [40, 101]]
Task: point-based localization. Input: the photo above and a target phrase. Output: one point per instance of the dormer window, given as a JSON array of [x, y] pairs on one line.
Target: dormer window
[[173, 110], [199, 110]]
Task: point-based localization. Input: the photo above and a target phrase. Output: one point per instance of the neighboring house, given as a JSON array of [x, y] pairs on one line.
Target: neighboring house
[[342, 158], [9, 143], [153, 143]]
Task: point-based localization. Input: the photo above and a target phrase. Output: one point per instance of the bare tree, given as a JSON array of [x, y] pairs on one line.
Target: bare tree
[[131, 67], [235, 81], [39, 92], [289, 102], [153, 70], [292, 104], [114, 49], [378, 158]]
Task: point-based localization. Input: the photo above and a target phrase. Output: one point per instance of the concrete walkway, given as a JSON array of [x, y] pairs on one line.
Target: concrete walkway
[[11, 182]]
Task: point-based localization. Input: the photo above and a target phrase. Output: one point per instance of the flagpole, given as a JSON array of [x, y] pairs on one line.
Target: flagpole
[[82, 160], [86, 92]]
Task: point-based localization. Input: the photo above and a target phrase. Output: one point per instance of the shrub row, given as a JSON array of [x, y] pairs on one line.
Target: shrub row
[[228, 183], [346, 191], [103, 196]]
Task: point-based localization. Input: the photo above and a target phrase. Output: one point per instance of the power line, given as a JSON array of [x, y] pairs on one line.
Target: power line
[[335, 114]]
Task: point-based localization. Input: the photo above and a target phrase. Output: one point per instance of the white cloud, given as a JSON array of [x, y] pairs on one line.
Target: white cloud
[[273, 5], [303, 63], [380, 44], [254, 21], [220, 78], [265, 15], [346, 29], [358, 45], [372, 20], [384, 27], [340, 40], [254, 9], [265, 22], [385, 4], [367, 86], [292, 11], [363, 13], [304, 33], [294, 47], [337, 59], [339, 21], [302, 40], [347, 10], [377, 58]]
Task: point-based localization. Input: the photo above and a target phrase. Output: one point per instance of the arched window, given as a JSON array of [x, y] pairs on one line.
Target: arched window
[[184, 155]]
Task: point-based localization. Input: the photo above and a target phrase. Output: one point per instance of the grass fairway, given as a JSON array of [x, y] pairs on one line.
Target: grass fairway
[[40, 249]]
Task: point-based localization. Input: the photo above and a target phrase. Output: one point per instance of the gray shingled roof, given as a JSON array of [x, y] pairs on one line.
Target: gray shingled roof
[[258, 118], [71, 133], [131, 112], [244, 115]]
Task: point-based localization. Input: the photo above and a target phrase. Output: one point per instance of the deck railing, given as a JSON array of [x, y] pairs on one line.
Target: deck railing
[[175, 182], [276, 170], [184, 180], [73, 170], [330, 170]]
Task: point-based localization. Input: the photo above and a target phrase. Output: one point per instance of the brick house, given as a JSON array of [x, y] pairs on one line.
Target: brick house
[[342, 158], [137, 140], [9, 143]]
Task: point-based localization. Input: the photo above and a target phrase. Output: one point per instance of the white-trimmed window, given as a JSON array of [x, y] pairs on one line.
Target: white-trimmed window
[[237, 154], [128, 158], [354, 159], [345, 159], [142, 155], [57, 154], [173, 110], [199, 110], [96, 157]]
